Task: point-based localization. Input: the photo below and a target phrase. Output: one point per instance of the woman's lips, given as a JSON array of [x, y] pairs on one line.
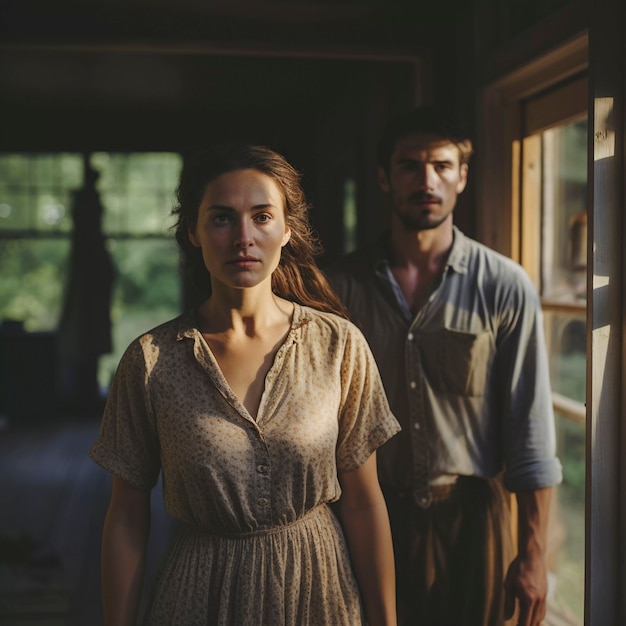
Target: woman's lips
[[244, 261]]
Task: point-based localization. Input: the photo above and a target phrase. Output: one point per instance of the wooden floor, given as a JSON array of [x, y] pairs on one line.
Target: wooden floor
[[53, 499]]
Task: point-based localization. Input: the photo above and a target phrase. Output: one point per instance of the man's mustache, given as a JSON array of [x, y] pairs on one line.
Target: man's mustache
[[423, 196]]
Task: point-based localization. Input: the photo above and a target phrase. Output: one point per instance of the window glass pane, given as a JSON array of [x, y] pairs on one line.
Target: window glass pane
[[138, 191], [36, 191], [350, 216], [564, 215], [147, 292], [13, 167], [137, 195], [52, 212], [567, 535], [566, 337], [563, 290], [31, 289], [14, 208]]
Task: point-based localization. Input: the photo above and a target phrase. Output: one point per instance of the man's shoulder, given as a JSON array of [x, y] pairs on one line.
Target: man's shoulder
[[477, 253], [494, 273], [358, 264]]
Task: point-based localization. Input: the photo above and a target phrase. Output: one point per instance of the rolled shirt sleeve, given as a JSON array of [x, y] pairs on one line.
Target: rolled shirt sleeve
[[528, 430]]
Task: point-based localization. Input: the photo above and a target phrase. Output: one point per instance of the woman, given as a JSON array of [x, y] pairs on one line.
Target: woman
[[261, 407]]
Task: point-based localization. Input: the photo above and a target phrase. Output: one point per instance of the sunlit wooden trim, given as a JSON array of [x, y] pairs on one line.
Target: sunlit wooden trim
[[530, 218], [501, 126], [565, 61], [560, 106], [578, 309], [571, 409]]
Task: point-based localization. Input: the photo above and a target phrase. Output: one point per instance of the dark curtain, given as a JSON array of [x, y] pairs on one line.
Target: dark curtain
[[84, 332]]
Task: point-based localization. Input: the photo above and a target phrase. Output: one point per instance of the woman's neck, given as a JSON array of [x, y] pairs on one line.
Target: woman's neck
[[244, 332], [243, 311]]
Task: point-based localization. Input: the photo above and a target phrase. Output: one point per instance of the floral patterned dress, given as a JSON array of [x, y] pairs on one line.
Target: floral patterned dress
[[258, 544]]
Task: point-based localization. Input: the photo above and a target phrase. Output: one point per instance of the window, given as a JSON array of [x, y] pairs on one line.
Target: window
[[533, 191], [553, 227], [37, 192], [35, 222], [350, 216], [137, 191]]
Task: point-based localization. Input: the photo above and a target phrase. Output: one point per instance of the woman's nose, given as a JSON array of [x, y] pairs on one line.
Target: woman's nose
[[243, 235]]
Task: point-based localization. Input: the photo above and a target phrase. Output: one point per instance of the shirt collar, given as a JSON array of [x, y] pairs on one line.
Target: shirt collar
[[187, 323], [457, 259]]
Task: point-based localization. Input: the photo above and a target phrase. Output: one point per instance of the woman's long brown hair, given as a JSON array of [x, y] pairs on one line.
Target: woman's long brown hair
[[297, 277]]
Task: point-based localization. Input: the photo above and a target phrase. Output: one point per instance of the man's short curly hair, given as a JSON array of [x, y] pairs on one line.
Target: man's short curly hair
[[425, 119]]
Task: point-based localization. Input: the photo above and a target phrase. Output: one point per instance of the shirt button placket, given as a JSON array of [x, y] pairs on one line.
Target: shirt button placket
[[418, 432], [263, 491]]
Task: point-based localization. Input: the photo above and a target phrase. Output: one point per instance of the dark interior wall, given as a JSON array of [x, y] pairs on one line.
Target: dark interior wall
[[322, 114], [140, 75], [345, 147], [110, 100], [313, 80]]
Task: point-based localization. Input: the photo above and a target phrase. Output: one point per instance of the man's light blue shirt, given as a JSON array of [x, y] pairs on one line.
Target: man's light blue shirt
[[467, 376]]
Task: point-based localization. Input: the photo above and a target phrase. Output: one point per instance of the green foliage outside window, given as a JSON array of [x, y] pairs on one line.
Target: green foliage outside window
[[137, 192], [32, 281]]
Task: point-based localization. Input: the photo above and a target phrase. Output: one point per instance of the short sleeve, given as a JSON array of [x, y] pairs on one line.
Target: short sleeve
[[365, 419], [128, 444]]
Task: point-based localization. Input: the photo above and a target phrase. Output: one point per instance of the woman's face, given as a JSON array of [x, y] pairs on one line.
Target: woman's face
[[241, 228]]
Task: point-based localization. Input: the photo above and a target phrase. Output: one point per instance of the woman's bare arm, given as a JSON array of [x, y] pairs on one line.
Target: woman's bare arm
[[124, 546], [365, 522]]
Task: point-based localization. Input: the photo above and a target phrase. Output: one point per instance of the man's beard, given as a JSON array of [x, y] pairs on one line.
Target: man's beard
[[420, 222]]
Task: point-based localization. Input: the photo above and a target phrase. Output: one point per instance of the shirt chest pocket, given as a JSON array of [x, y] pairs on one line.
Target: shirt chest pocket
[[457, 362]]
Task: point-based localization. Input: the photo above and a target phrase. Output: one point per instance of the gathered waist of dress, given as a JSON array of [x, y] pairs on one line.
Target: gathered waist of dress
[[321, 510]]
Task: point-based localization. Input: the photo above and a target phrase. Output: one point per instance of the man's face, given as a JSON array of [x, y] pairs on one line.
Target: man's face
[[425, 177]]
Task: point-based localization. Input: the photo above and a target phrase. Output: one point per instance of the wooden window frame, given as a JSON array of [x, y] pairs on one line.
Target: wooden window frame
[[499, 225]]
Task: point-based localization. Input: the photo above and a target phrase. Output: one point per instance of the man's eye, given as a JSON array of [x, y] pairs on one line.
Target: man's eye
[[410, 167], [221, 219]]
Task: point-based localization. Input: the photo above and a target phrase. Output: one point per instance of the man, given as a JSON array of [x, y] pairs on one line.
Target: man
[[456, 330]]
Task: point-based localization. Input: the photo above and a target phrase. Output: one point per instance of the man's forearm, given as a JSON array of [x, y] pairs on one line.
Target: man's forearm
[[533, 512], [527, 578]]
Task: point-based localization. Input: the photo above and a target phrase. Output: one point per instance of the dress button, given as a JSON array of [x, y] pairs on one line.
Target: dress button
[[262, 469], [410, 336], [262, 501], [413, 384], [416, 426], [423, 500]]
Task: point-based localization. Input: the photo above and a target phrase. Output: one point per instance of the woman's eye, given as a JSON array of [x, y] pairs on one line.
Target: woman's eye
[[263, 217]]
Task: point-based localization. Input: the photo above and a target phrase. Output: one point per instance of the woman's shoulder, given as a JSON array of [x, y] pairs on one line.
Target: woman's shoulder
[[329, 322], [170, 328], [168, 333]]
